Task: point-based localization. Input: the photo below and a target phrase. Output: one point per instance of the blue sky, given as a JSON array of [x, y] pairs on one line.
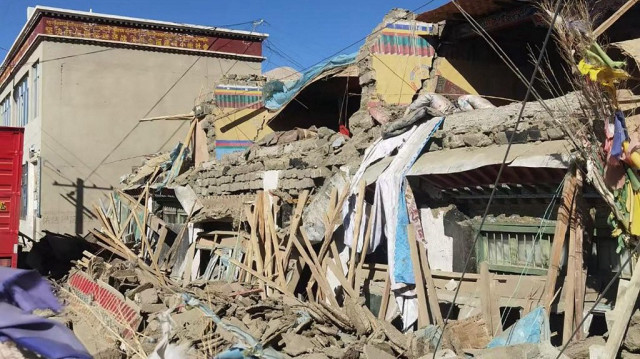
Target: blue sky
[[302, 32]]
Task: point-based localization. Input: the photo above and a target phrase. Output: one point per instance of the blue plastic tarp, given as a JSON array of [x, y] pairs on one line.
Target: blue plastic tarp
[[277, 99], [533, 328]]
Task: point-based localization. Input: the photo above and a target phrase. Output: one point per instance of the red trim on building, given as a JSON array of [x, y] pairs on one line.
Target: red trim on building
[[125, 34]]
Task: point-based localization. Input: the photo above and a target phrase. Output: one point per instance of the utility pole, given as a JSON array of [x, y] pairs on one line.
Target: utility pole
[[78, 201]]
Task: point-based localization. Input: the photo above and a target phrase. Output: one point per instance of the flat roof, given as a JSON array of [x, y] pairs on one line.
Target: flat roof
[[37, 12], [149, 22]]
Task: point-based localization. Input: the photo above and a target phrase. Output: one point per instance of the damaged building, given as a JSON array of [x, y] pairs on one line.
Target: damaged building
[[400, 201]]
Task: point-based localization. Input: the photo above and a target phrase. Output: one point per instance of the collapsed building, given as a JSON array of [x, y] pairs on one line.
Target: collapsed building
[[359, 191]]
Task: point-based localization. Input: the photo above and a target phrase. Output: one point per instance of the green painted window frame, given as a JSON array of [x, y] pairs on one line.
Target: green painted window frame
[[513, 230]]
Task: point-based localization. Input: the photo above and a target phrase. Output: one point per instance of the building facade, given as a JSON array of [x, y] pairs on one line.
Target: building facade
[[80, 82]]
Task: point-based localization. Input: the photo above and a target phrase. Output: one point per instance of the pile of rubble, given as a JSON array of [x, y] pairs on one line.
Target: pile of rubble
[[208, 318], [304, 159]]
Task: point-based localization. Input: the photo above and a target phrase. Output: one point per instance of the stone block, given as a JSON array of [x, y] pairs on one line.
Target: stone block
[[254, 167], [276, 164], [257, 184], [453, 141], [501, 138], [320, 172], [273, 151], [555, 133], [476, 140]]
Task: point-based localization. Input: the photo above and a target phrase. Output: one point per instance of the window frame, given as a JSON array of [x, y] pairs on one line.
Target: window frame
[[5, 110], [21, 101], [35, 89]]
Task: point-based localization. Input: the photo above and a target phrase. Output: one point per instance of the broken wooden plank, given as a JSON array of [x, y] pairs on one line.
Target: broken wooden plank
[[611, 20], [356, 231], [382, 314], [316, 273], [414, 219], [624, 310], [293, 225], [557, 246], [276, 247], [570, 279], [423, 311], [490, 311]]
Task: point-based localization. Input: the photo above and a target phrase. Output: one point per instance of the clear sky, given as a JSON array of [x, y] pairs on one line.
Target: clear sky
[[302, 32]]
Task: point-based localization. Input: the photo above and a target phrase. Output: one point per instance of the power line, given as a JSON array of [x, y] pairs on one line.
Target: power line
[[278, 51], [361, 39], [228, 70], [244, 23], [148, 112], [504, 161]]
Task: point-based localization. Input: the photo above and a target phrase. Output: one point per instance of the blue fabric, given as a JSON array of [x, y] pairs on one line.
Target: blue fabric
[[619, 135], [21, 292], [529, 329], [403, 268], [27, 290], [280, 96]]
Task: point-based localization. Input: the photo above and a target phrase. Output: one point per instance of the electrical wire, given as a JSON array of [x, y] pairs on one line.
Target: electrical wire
[[228, 70], [504, 161], [546, 216]]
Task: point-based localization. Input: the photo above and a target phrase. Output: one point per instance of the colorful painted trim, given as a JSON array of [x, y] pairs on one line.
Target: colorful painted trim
[[447, 87], [233, 143], [238, 96], [416, 28], [123, 316], [225, 147], [51, 27], [402, 45]]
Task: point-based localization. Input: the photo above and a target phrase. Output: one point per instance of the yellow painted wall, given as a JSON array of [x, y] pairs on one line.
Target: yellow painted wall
[[399, 77], [234, 127]]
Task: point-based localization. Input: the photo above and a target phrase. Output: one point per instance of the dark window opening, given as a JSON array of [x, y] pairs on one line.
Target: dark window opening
[[324, 103]]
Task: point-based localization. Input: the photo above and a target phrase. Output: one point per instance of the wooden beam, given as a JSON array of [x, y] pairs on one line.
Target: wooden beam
[[356, 232], [624, 310], [316, 273], [423, 311], [557, 246], [580, 277], [382, 314], [489, 304], [293, 225], [570, 279], [262, 278], [414, 219], [617, 15]]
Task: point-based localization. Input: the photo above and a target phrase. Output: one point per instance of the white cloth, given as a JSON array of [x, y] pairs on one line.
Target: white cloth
[[376, 151]]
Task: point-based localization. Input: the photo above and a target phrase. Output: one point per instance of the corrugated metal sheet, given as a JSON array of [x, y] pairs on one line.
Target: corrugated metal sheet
[[548, 154]]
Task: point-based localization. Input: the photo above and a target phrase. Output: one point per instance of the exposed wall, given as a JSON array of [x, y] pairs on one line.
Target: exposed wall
[[396, 58], [93, 99], [238, 118], [448, 241]]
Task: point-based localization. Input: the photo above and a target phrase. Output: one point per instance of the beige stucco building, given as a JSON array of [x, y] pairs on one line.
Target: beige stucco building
[[79, 83]]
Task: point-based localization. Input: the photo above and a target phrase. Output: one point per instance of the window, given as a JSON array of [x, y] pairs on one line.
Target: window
[[516, 247], [5, 111], [35, 88], [21, 98], [24, 191]]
